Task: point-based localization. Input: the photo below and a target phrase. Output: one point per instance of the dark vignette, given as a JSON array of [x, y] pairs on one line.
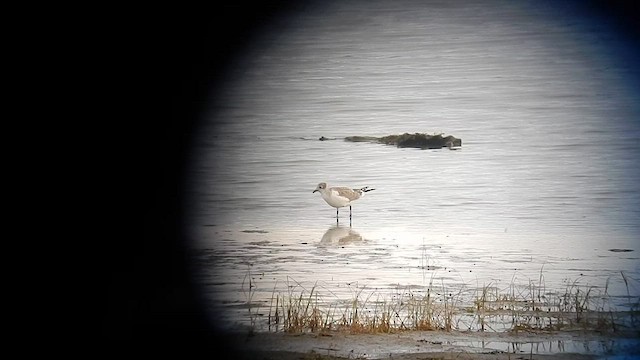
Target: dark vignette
[[159, 65], [171, 61]]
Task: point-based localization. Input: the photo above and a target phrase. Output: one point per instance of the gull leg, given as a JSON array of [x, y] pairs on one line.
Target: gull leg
[[337, 209]]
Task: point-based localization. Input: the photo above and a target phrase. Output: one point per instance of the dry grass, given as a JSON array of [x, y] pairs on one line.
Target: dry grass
[[513, 308], [579, 307]]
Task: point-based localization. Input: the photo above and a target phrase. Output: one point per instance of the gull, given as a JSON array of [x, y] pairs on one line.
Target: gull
[[340, 196]]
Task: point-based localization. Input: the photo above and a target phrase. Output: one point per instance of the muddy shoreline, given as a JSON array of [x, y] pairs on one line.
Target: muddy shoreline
[[436, 345]]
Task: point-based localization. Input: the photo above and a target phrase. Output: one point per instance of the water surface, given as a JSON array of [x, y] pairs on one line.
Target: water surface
[[544, 186]]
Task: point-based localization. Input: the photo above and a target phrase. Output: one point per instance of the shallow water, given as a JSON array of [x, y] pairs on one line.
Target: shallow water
[[429, 343], [544, 187]]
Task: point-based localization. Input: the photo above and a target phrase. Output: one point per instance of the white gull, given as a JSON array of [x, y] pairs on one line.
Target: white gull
[[340, 196]]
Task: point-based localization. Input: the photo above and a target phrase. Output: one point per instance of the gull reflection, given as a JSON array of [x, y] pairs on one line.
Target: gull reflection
[[338, 235]]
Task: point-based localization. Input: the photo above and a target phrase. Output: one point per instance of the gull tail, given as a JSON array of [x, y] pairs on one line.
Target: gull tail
[[365, 189]]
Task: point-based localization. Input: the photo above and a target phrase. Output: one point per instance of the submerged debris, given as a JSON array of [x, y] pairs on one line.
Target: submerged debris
[[417, 140]]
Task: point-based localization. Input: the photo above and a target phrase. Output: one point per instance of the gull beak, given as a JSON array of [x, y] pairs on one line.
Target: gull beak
[[314, 190]]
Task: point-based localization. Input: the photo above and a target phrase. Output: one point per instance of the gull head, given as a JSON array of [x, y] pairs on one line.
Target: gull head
[[320, 187]]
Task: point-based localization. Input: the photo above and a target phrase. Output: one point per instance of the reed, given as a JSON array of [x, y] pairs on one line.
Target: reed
[[299, 310], [249, 294], [514, 308]]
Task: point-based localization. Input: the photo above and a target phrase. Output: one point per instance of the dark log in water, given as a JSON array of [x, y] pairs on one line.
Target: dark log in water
[[417, 140]]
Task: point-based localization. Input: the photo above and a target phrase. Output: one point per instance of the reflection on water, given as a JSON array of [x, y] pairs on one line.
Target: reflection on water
[[340, 235], [545, 187]]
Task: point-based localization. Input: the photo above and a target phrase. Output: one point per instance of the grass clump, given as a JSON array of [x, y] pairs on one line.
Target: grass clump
[[531, 308], [298, 312], [516, 307]]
